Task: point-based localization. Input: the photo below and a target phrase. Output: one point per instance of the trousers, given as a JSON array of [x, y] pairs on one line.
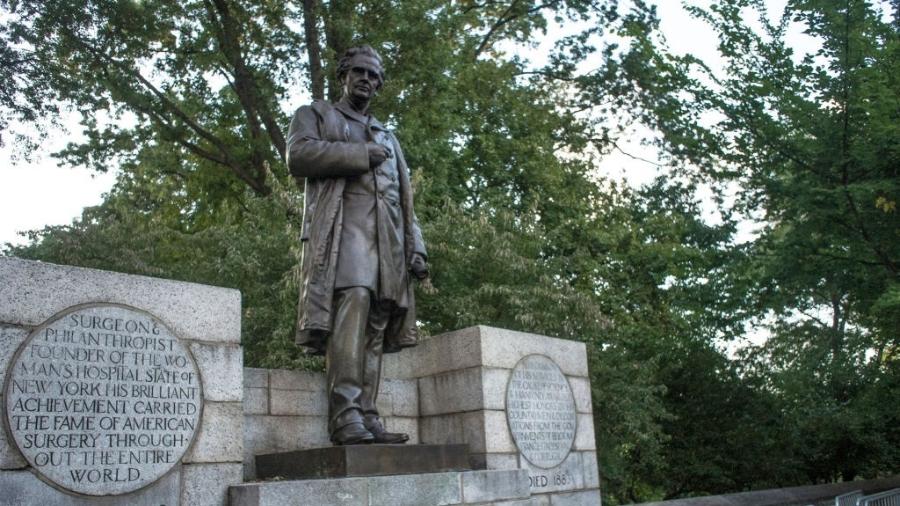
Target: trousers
[[353, 356]]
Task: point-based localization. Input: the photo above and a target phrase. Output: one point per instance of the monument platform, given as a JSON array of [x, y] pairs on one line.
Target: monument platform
[[494, 487], [363, 460], [520, 402]]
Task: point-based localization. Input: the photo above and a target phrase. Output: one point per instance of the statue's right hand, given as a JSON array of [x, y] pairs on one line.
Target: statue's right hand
[[377, 154]]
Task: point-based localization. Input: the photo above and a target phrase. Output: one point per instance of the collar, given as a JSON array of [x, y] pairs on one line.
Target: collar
[[366, 119]]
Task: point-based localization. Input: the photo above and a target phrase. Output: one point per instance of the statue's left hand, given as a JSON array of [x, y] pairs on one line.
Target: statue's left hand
[[418, 266]]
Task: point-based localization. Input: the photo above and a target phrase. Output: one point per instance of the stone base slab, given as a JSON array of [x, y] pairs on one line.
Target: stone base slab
[[435, 489], [362, 460]]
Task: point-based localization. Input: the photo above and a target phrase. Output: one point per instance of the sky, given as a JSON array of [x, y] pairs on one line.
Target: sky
[[37, 192]]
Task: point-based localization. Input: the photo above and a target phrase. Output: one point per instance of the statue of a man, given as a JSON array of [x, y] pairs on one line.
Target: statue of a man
[[361, 246]]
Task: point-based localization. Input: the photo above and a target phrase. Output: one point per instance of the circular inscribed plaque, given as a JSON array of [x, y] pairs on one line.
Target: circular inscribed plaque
[[102, 399], [540, 410]]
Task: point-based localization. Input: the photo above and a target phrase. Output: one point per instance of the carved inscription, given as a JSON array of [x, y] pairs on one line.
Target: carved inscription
[[540, 410], [103, 400]]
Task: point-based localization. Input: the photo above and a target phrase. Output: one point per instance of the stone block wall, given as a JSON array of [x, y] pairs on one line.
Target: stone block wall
[[207, 321], [288, 410], [462, 378], [449, 389]]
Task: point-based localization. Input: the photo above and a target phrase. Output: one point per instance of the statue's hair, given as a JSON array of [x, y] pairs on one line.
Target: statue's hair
[[344, 63]]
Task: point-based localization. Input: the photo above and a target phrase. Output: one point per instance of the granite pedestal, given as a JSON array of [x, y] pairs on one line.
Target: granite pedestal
[[362, 460], [469, 387]]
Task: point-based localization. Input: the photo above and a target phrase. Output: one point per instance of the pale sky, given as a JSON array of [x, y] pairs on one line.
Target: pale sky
[[39, 193]]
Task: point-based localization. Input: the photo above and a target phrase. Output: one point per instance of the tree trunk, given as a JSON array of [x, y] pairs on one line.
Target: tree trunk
[[313, 49], [339, 30]]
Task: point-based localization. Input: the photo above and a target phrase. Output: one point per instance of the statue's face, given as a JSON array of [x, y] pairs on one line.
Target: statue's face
[[363, 79]]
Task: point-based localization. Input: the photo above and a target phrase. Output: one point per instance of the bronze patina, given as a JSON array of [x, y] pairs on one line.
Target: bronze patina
[[361, 246]]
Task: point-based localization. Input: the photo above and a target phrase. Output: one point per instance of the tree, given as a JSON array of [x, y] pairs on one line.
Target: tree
[[811, 143]]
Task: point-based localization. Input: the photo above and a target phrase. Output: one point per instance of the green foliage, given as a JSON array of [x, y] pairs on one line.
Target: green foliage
[[521, 232], [811, 144]]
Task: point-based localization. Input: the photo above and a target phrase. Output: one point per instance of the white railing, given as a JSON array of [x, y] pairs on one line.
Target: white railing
[[848, 499], [888, 498]]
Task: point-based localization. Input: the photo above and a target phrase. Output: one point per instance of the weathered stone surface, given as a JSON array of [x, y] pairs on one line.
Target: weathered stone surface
[[484, 346], [415, 489], [494, 485], [269, 434], [10, 340], [384, 404], [484, 431], [584, 439], [10, 458], [446, 352], [591, 470], [207, 484], [249, 468], [451, 392], [362, 460], [404, 395], [222, 368], [581, 389], [569, 475], [284, 379], [540, 500], [346, 492], [218, 439], [494, 383], [454, 428], [495, 460], [467, 389], [583, 498], [133, 394], [256, 401], [32, 291], [504, 348], [23, 488], [256, 378], [541, 411], [272, 434], [297, 402], [406, 425], [497, 436]]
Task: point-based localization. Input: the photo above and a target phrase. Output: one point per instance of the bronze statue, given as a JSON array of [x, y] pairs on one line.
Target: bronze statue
[[361, 244]]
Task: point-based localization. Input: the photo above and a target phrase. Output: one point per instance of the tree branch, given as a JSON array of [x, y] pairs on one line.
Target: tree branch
[[502, 20], [313, 49], [168, 105], [255, 109]]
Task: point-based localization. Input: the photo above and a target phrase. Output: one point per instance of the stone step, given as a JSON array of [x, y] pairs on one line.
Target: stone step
[[362, 460], [434, 489]]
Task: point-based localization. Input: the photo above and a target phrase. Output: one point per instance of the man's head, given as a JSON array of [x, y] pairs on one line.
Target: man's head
[[361, 73]]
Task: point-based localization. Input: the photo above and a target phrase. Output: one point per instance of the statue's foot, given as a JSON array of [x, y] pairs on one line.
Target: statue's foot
[[354, 433], [374, 426], [391, 438]]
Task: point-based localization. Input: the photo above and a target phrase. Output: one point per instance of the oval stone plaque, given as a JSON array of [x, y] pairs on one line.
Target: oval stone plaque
[[540, 411], [103, 399]]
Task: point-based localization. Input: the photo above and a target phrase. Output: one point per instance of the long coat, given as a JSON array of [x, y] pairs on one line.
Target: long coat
[[320, 152]]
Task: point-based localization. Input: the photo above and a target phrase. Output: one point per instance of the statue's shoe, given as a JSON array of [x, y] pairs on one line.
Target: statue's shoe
[[374, 426], [354, 433]]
